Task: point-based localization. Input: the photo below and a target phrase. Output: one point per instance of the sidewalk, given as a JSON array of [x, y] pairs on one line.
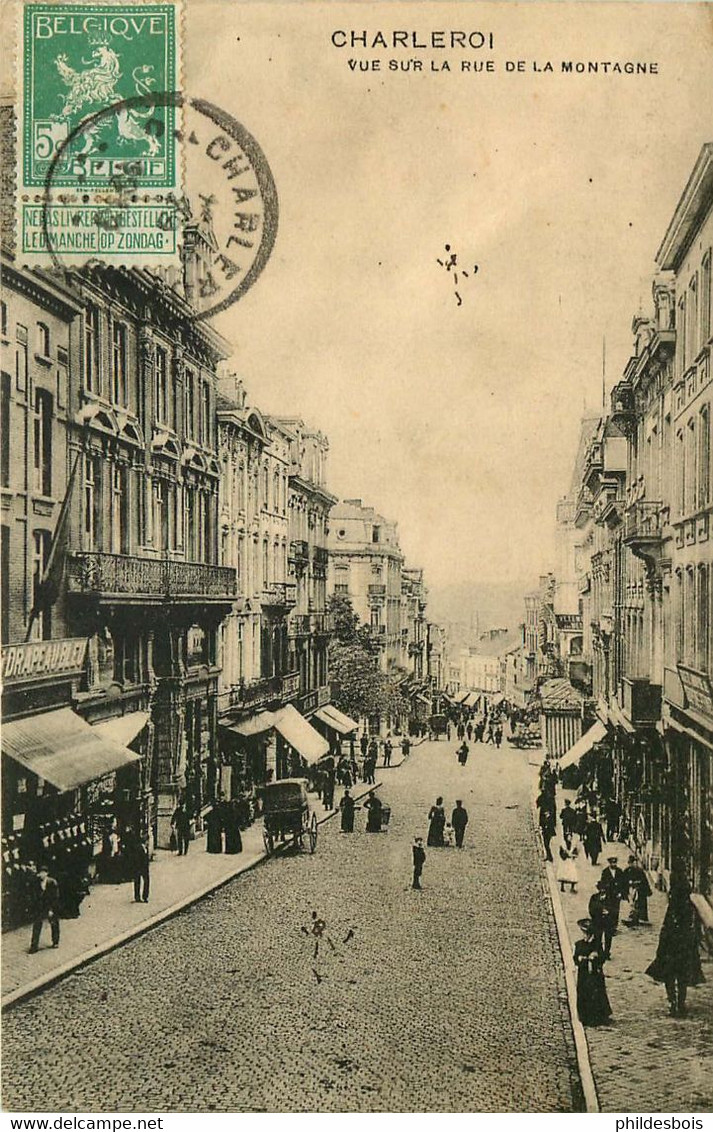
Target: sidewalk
[[109, 916], [645, 1061]]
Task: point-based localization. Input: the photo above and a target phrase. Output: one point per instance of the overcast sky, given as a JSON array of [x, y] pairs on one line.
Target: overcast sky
[[458, 422]]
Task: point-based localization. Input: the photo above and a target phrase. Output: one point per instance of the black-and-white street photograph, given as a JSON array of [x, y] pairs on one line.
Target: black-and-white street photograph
[[357, 574]]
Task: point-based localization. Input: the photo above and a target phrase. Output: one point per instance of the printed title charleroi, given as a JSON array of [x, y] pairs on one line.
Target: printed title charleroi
[[415, 40]]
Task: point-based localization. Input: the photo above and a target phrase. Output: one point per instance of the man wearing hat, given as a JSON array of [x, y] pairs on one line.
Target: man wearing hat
[[419, 858], [615, 888], [602, 922], [45, 906]]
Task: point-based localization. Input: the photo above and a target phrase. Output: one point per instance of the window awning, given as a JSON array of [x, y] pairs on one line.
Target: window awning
[[496, 699], [336, 719], [253, 725], [61, 748], [300, 734], [124, 728], [584, 744]]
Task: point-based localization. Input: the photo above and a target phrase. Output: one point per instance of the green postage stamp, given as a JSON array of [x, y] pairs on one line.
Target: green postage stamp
[[99, 166]]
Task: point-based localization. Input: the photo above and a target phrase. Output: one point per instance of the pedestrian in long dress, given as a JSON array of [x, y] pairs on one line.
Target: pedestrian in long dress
[[347, 807], [233, 838], [462, 753], [567, 868], [419, 859], [593, 1006], [214, 826], [677, 964], [459, 820], [373, 821], [437, 824]]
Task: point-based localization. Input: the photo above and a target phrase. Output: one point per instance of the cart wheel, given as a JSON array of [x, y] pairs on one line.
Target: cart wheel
[[313, 834], [269, 841]]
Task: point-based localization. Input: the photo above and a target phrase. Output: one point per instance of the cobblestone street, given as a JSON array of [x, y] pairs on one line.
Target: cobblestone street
[[449, 999]]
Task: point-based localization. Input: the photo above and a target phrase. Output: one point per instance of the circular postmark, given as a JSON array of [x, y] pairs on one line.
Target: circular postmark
[[225, 210]]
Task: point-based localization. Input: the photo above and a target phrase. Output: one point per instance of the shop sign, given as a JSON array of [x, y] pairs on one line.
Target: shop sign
[[34, 659], [697, 686]]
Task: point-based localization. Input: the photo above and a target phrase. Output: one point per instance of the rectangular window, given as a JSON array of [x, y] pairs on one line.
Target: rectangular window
[[190, 523], [161, 386], [41, 541], [160, 532], [92, 502], [205, 414], [692, 319], [705, 304], [691, 485], [43, 442], [702, 609], [119, 510], [62, 376], [43, 339], [681, 337], [704, 456], [3, 319], [21, 358], [265, 564], [681, 472], [118, 365], [5, 584], [5, 395], [189, 423], [92, 369]]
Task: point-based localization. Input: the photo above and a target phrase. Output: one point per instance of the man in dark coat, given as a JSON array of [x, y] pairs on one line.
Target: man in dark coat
[[593, 839], [615, 888], [677, 963], [548, 828], [388, 748], [568, 818], [137, 858], [364, 745], [419, 859], [44, 903], [459, 820], [612, 811], [182, 826], [602, 921]]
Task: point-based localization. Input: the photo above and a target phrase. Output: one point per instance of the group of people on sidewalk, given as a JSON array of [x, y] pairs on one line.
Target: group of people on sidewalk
[[677, 961]]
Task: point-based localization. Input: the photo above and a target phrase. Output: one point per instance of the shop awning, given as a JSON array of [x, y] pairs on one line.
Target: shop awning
[[496, 699], [124, 729], [300, 734], [336, 719], [253, 725], [64, 750], [584, 744], [472, 699]]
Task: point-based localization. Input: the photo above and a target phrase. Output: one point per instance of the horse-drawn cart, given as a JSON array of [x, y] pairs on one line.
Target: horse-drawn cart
[[287, 815]]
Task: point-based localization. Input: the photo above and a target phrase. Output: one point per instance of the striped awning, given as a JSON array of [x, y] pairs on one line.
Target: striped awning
[[336, 719], [61, 748], [595, 735], [300, 734]]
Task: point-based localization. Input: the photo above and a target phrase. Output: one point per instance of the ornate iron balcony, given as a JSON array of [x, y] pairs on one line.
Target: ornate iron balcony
[[128, 577]]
